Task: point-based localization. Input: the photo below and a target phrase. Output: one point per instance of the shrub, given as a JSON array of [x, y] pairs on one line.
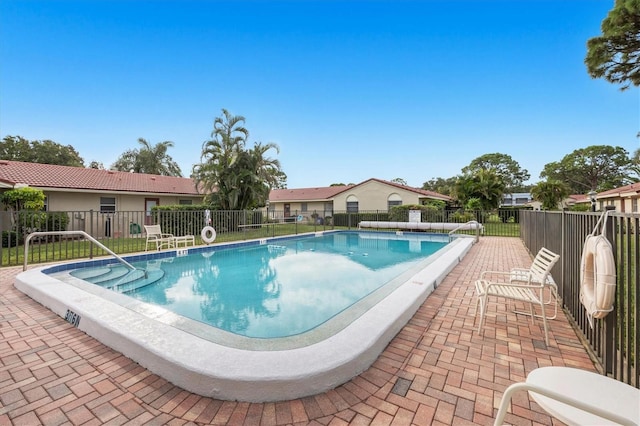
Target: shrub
[[11, 239], [493, 218], [431, 212], [462, 216]]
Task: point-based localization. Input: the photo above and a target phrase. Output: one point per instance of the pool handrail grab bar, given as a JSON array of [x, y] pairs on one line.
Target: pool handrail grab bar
[[87, 236], [461, 226]]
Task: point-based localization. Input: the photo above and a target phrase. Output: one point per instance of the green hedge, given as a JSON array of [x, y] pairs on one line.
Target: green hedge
[[352, 219], [190, 219]]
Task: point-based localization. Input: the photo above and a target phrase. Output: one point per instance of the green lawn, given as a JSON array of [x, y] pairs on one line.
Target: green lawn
[[81, 249]]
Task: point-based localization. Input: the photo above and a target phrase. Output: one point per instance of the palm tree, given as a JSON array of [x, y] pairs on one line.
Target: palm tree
[[550, 193], [236, 178], [484, 184], [148, 159]]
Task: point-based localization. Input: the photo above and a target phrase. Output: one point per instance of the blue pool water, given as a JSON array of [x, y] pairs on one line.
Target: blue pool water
[[279, 289]]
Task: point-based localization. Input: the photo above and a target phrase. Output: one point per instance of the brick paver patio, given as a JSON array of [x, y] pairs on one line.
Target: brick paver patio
[[437, 371]]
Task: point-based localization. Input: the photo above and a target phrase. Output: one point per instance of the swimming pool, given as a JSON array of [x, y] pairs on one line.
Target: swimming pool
[[227, 364]]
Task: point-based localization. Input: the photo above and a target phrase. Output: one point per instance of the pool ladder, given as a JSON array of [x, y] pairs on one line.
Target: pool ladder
[[85, 235]]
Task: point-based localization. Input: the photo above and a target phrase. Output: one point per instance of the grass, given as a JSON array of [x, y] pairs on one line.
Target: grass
[[63, 250]]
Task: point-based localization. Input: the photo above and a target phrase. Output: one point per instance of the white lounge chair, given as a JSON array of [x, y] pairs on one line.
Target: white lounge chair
[[157, 237], [527, 286], [577, 397]]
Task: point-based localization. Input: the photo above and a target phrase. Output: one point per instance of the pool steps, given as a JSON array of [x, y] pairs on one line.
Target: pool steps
[[119, 278]]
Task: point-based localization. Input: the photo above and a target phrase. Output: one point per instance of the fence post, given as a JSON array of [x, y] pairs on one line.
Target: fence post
[[91, 233], [608, 331]]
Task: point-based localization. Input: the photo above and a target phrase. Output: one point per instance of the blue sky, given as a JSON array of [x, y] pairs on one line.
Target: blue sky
[[349, 90]]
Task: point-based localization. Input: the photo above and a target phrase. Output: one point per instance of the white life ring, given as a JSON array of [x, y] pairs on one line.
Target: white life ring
[[208, 234], [300, 218], [597, 277]]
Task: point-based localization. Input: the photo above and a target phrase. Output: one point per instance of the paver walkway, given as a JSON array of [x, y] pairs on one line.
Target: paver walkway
[[437, 371]]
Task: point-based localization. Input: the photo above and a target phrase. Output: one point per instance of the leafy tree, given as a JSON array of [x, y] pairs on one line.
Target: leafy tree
[[233, 177], [17, 148], [25, 198], [484, 184], [550, 193], [96, 165], [150, 159], [505, 167], [25, 205], [635, 164], [399, 181], [596, 167], [615, 55], [440, 185]]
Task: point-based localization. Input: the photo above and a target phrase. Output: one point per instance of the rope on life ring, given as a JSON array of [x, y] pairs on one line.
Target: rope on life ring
[[208, 234], [597, 274]]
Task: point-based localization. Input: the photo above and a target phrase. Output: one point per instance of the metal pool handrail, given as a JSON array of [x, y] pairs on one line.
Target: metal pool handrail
[[84, 234], [471, 222]]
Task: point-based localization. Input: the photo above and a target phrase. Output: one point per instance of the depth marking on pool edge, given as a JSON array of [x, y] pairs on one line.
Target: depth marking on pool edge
[[72, 318]]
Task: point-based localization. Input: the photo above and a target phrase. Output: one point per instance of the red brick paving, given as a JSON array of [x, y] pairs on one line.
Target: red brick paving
[[54, 374]]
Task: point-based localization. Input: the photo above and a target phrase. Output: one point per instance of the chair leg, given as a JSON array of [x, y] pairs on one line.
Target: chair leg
[[531, 313], [544, 322], [483, 311], [553, 291]]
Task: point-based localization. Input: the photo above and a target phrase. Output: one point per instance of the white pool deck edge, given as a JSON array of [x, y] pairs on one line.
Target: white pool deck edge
[[211, 369]]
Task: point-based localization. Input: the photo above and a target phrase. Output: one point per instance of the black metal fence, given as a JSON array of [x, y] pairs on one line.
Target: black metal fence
[[124, 231], [614, 339]]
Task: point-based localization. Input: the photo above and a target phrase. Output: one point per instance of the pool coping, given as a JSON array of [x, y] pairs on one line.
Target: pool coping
[[211, 369]]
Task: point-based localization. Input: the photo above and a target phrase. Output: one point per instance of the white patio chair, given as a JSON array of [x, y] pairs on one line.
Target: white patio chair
[[157, 237], [577, 397], [528, 287]]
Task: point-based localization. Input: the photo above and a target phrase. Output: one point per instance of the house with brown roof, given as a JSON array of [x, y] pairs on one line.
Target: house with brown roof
[[370, 195], [624, 198], [84, 190]]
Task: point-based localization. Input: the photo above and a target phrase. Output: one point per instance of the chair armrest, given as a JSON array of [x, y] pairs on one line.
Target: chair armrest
[[487, 284], [565, 399], [495, 275], [166, 235]]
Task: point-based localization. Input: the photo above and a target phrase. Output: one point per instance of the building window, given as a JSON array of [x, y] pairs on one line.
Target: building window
[[352, 204], [634, 205], [391, 203], [46, 203], [393, 200], [185, 202], [107, 204], [303, 207]]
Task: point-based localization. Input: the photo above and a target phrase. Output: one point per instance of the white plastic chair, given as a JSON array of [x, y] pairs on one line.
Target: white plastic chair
[[157, 237], [528, 287], [577, 397]]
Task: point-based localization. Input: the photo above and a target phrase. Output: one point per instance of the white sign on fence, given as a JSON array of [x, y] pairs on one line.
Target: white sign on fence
[[414, 216]]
